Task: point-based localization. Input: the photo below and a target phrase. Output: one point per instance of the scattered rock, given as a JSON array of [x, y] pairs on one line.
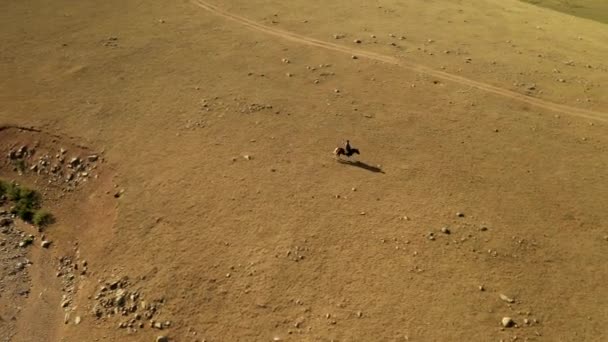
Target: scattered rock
[[67, 174], [162, 338], [459, 214], [121, 295], [97, 311], [505, 298], [357, 41], [75, 161], [119, 193], [77, 320], [45, 244], [507, 322], [445, 230], [115, 299], [27, 241]]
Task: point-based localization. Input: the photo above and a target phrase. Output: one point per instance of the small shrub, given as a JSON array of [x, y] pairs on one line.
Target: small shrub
[[3, 187], [26, 204], [42, 218], [25, 196], [26, 201], [23, 211], [13, 192]]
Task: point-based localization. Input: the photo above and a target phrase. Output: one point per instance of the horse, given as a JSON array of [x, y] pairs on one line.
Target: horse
[[340, 151]]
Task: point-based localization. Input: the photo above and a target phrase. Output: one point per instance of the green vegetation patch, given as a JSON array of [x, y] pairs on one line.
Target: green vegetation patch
[[43, 218], [590, 9], [26, 204]]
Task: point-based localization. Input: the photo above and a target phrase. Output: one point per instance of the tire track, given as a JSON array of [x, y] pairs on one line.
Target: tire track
[[294, 37]]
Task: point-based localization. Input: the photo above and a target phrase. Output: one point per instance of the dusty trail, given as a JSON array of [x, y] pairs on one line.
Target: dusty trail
[[583, 113]]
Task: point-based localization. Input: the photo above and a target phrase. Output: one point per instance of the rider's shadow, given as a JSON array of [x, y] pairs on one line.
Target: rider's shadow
[[362, 165]]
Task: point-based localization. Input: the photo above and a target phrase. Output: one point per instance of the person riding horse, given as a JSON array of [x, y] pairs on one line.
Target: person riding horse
[[347, 150]]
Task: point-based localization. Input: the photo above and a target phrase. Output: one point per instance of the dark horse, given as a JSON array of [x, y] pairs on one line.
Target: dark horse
[[340, 151]]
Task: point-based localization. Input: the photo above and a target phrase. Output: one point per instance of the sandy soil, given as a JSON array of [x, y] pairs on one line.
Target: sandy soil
[[493, 109]]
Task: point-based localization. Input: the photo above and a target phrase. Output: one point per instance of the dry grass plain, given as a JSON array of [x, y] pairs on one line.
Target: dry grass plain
[[494, 109]]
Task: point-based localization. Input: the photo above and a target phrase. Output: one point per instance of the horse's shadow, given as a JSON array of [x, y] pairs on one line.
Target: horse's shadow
[[361, 165]]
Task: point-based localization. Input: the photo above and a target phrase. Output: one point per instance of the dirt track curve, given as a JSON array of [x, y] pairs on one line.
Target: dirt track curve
[[584, 113]]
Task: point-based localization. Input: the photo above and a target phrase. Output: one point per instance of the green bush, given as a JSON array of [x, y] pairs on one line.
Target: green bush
[[42, 218], [3, 187], [12, 192], [26, 201], [26, 204], [23, 211], [28, 197]]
